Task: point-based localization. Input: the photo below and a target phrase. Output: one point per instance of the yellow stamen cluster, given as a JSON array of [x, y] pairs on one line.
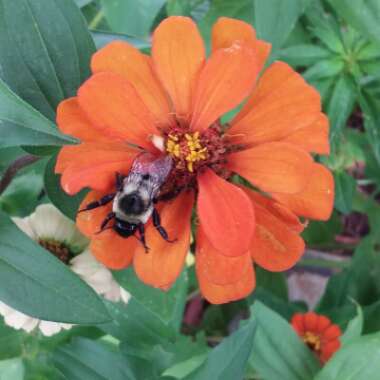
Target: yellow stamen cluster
[[192, 151], [312, 340]]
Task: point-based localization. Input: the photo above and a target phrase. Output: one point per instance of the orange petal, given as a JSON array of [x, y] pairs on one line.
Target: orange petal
[[72, 121], [218, 294], [218, 268], [311, 321], [297, 323], [178, 54], [122, 58], [275, 246], [164, 262], [279, 211], [278, 167], [316, 200], [281, 104], [112, 250], [93, 165], [323, 323], [226, 31], [312, 138], [226, 214], [114, 106], [89, 222], [227, 78]]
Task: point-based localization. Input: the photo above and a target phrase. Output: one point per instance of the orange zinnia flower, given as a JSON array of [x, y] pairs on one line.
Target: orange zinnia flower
[[171, 103], [318, 333]]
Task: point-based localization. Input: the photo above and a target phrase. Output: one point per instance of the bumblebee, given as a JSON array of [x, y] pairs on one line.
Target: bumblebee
[[135, 197]]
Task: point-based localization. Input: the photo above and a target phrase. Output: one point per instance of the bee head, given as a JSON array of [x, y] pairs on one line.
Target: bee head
[[132, 204]]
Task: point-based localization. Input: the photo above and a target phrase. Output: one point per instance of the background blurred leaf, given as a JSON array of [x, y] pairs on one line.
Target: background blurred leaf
[[278, 353], [102, 38], [275, 19], [229, 359], [168, 306], [45, 50], [20, 124], [38, 284], [361, 14], [10, 342], [67, 204], [12, 369], [354, 328], [359, 360], [345, 187], [84, 359], [303, 55], [131, 17]]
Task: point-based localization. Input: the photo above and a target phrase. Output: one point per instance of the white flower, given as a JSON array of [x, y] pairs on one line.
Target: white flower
[[58, 234]]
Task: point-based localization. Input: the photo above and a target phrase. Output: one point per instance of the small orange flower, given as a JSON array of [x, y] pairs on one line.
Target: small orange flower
[[318, 333], [171, 103]]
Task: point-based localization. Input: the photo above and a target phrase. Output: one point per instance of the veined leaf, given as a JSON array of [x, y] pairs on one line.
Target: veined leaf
[[36, 283]]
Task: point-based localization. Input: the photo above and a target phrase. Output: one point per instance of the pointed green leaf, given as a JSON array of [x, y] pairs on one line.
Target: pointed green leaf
[[36, 283]]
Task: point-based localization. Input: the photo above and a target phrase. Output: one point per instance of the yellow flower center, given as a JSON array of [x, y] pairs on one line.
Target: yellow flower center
[[312, 340], [187, 147]]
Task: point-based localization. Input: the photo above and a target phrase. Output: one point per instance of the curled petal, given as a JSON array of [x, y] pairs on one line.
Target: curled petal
[[313, 138], [178, 54], [92, 165], [89, 222], [273, 167], [281, 104], [226, 214], [112, 250], [218, 268], [227, 31], [227, 78], [124, 59], [219, 294], [275, 246], [72, 121], [316, 200], [115, 108], [164, 262]]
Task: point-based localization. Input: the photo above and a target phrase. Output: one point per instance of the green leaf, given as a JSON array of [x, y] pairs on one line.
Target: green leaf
[[10, 342], [304, 55], [67, 204], [275, 19], [84, 359], [182, 369], [229, 359], [370, 107], [131, 17], [45, 50], [168, 306], [135, 323], [364, 15], [345, 188], [354, 328], [359, 360], [103, 38], [12, 369], [21, 124], [323, 69], [38, 284], [340, 106], [278, 353]]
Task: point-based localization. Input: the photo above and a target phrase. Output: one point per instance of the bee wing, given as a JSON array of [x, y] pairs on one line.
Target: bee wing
[[158, 168]]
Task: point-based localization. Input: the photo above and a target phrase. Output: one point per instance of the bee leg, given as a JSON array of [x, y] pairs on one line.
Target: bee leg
[[119, 181], [141, 229], [101, 202], [157, 223], [107, 219]]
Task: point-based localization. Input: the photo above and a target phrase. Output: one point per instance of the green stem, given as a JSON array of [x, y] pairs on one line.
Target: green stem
[[321, 263], [96, 20]]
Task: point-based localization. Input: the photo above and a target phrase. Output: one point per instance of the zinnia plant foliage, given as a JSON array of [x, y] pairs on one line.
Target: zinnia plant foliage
[[189, 189]]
